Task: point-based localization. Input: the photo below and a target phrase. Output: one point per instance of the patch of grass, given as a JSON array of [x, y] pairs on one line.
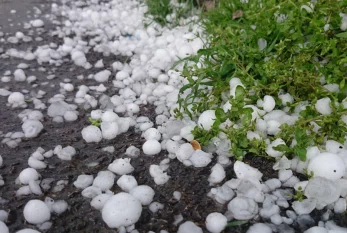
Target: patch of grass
[[273, 47], [168, 12]]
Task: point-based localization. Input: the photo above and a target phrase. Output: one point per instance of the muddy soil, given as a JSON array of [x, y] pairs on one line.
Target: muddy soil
[[81, 217]]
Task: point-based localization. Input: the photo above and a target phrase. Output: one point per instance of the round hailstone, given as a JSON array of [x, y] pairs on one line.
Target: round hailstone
[[207, 119], [99, 201], [323, 106], [269, 103], [152, 133], [185, 151], [28, 175], [259, 227], [121, 166], [104, 180], [144, 193], [3, 228], [126, 182], [217, 174], [19, 75], [243, 208], [109, 130], [36, 212], [32, 128], [109, 116], [189, 227], [59, 207], [216, 222], [151, 147], [91, 133], [83, 181], [120, 210], [316, 230], [28, 230], [70, 116], [327, 165], [102, 76]]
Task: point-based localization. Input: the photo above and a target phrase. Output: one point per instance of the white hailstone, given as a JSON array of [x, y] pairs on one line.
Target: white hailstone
[[327, 165], [273, 127], [99, 201], [333, 146], [121, 75], [19, 75], [132, 108], [68, 87], [32, 128], [96, 114], [177, 195], [3, 215], [59, 207], [66, 153], [91, 133], [189, 227], [37, 23], [99, 64], [155, 206], [243, 208], [200, 158], [3, 228], [121, 210], [36, 164], [152, 133], [217, 174], [36, 212], [127, 182], [91, 192], [1, 161], [109, 130], [102, 76], [83, 181], [270, 148], [185, 51], [184, 152], [27, 175], [305, 206], [172, 146], [269, 103], [121, 166], [104, 180], [234, 84], [323, 106], [109, 116], [262, 43], [259, 228], [286, 98], [316, 230], [151, 147], [216, 222], [246, 172], [160, 177], [340, 206], [284, 175], [144, 193], [27, 230], [16, 99], [132, 151], [70, 116], [23, 191], [206, 119], [186, 132]]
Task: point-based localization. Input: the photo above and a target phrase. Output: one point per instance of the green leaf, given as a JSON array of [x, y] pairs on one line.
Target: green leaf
[[300, 152], [236, 223], [282, 147], [342, 35], [220, 114], [342, 84]]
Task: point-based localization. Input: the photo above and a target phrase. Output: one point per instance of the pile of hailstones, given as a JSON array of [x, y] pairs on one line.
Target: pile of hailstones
[[154, 50]]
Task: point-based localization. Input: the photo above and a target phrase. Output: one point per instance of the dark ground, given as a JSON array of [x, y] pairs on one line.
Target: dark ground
[[81, 217]]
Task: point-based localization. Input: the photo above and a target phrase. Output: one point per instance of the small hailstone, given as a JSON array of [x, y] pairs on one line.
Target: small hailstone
[[35, 187], [19, 75], [83, 181], [120, 210], [3, 216], [99, 201], [305, 206], [121, 166], [269, 103], [177, 195], [102, 76], [160, 177], [284, 175], [270, 148], [108, 116], [189, 227], [36, 212], [3, 228], [109, 149], [216, 222], [70, 116], [259, 227], [104, 180], [27, 175], [91, 133], [133, 108], [152, 133], [144, 193], [151, 147], [132, 151], [23, 191], [66, 153], [109, 130], [185, 151], [32, 128], [127, 182], [323, 106], [155, 206], [59, 207], [243, 208], [37, 23], [91, 192], [217, 174], [16, 99], [206, 119], [68, 87]]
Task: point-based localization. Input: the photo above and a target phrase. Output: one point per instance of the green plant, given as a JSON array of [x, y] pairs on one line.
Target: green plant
[[94, 122], [273, 47], [299, 194]]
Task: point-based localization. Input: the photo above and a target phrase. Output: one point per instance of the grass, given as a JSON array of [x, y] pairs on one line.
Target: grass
[[273, 47]]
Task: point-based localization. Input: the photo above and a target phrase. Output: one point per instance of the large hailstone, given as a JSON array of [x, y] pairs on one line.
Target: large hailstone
[[32, 128], [121, 210], [189, 227], [144, 193], [109, 130], [327, 165], [151, 147], [207, 119], [3, 228], [243, 208], [36, 212], [216, 222], [91, 133], [27, 175]]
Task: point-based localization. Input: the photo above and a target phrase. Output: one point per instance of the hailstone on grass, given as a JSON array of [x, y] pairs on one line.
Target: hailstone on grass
[[36, 212], [327, 165], [207, 119], [121, 210]]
